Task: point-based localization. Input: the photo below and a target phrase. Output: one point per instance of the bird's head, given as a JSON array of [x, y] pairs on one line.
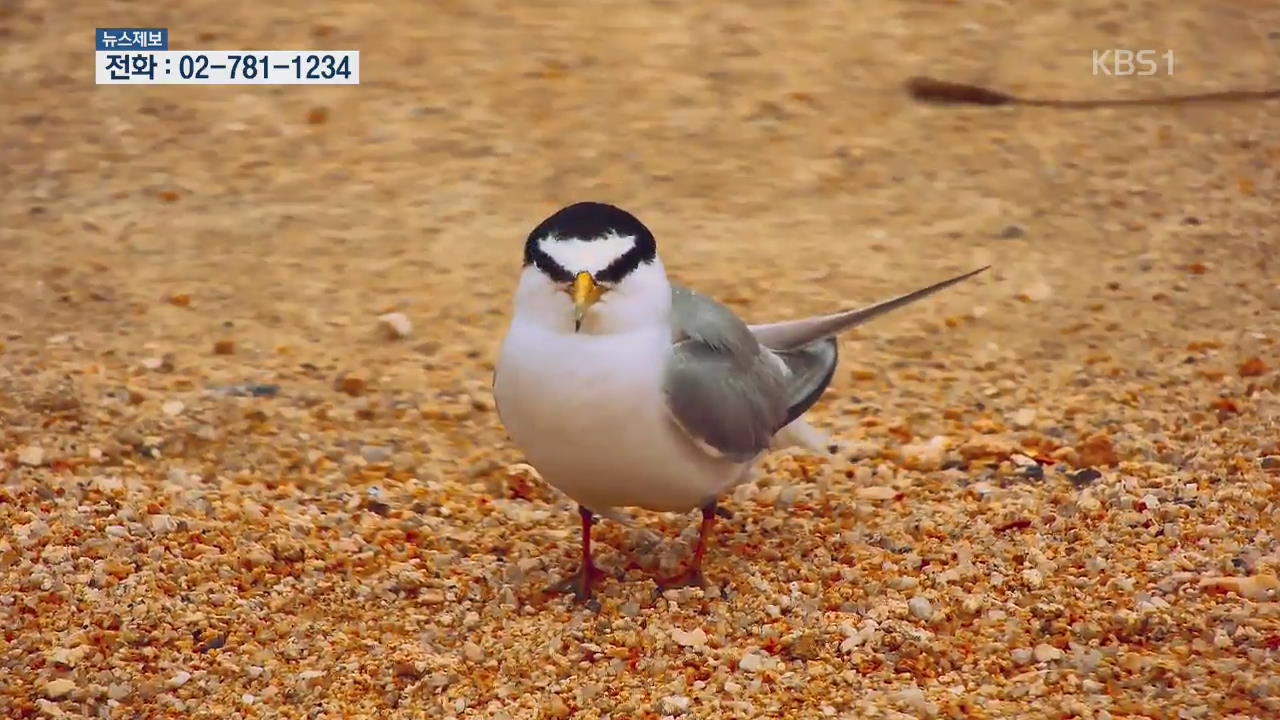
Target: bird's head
[[593, 268]]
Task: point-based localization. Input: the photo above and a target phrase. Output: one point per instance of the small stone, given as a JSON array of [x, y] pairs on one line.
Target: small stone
[[751, 662], [472, 652], [695, 638], [927, 455], [1023, 418], [1022, 461], [31, 455], [1021, 656], [1085, 478], [375, 454], [1038, 290], [117, 531], [876, 492], [913, 698], [554, 707], [920, 608], [1253, 587], [1046, 653], [404, 461], [1033, 578], [1012, 232], [178, 680], [224, 347], [161, 523], [1253, 367], [1097, 450], [173, 408], [59, 688], [675, 704], [353, 385], [395, 325]]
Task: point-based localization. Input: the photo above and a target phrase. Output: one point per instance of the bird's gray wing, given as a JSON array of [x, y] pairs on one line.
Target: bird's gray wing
[[794, 334], [726, 391], [810, 369]]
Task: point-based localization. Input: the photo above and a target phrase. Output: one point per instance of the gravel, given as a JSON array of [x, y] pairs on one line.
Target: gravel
[[225, 493]]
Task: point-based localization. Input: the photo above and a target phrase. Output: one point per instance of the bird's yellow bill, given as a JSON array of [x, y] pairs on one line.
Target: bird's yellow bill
[[585, 293]]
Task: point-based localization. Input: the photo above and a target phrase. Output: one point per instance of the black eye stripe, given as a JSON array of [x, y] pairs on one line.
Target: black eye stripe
[[623, 266], [548, 266]]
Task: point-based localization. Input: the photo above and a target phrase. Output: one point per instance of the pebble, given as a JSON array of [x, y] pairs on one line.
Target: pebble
[[352, 385], [395, 325], [1022, 461], [1097, 450], [1085, 477], [178, 680], [920, 608], [472, 652], [161, 523], [1254, 587], [375, 453], [751, 662], [1021, 656], [1039, 290], [31, 455], [1047, 653], [695, 638], [1023, 418], [173, 408], [913, 697], [876, 492], [59, 688], [927, 455], [675, 704]]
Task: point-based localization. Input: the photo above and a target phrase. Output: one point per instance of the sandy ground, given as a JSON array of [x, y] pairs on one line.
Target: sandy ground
[[225, 493]]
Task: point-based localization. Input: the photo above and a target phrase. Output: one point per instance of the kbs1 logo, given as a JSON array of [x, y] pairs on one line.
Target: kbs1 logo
[[1125, 63]]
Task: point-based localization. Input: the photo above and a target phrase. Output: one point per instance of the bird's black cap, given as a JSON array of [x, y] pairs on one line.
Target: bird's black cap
[[590, 221]]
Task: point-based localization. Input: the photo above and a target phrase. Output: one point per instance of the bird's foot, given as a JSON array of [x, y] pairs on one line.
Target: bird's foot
[[691, 577], [580, 584]]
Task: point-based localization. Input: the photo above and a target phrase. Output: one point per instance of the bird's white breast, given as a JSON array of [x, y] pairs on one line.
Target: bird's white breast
[[589, 413]]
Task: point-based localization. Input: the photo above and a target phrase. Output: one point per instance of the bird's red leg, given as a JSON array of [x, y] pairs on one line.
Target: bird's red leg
[[692, 575], [580, 582]]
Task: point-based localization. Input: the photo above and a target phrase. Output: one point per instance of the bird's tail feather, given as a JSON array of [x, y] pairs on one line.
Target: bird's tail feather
[[782, 336]]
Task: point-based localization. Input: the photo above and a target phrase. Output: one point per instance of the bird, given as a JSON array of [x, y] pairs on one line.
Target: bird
[[625, 390]]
